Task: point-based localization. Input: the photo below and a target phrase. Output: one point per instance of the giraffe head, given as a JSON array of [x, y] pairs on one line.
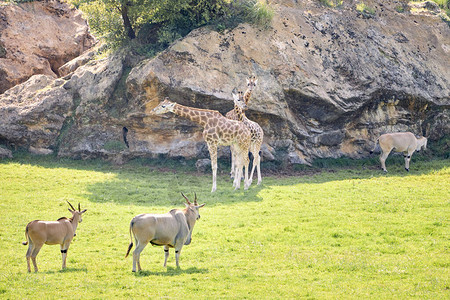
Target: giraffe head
[[164, 107], [251, 82], [239, 100]]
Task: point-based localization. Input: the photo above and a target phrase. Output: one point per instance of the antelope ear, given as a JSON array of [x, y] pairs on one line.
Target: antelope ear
[[201, 205], [83, 211], [187, 205], [235, 97], [70, 210]]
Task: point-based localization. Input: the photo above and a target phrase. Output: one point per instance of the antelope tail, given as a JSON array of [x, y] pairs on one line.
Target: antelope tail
[[26, 236], [131, 239]]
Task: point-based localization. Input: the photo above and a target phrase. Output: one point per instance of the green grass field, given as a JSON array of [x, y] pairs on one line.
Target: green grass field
[[342, 233]]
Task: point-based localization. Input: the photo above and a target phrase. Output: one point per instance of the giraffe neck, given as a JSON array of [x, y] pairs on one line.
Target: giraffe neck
[[247, 95], [239, 113], [197, 115]]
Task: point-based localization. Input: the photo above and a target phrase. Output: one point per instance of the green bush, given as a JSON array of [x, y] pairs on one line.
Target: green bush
[[365, 9], [156, 24], [261, 14], [331, 3]]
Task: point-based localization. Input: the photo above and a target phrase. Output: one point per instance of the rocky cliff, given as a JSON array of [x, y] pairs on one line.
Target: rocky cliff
[[330, 80], [38, 38]]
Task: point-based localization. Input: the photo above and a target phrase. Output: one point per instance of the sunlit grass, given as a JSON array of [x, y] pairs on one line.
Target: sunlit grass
[[350, 233]]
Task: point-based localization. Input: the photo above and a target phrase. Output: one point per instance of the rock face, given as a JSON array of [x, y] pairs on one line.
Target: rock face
[[5, 153], [37, 38], [329, 82], [33, 113]]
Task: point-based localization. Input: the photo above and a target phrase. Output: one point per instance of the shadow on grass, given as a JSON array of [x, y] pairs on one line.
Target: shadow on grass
[[68, 270], [171, 272], [166, 188], [142, 184]]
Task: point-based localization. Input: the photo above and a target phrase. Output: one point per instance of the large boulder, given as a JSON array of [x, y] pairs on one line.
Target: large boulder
[[34, 112], [37, 38], [5, 153], [94, 129]]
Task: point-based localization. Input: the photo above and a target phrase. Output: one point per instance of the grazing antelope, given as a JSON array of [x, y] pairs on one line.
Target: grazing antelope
[[171, 230], [57, 232], [404, 142]]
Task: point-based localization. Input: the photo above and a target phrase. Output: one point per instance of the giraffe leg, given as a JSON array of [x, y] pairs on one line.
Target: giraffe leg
[[213, 155], [238, 172], [246, 163], [258, 169], [233, 161], [256, 164]]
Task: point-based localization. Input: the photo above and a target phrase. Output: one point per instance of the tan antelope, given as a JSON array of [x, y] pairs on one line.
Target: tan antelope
[[171, 230], [404, 142], [60, 232], [217, 130]]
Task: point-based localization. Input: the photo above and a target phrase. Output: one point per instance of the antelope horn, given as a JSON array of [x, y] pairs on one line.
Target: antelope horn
[[195, 200], [71, 205], [79, 208], [187, 200]]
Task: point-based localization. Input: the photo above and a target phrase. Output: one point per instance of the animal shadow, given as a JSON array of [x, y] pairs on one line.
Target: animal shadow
[[171, 272], [68, 270]]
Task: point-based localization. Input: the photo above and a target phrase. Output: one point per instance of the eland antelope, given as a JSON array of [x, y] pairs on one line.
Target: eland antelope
[[171, 230], [404, 142], [60, 232]]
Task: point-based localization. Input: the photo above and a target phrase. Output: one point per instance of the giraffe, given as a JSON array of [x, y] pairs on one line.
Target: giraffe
[[256, 137], [251, 84], [217, 130]]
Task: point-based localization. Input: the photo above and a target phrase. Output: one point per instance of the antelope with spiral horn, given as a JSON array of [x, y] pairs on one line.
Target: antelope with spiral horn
[[171, 230], [60, 232]]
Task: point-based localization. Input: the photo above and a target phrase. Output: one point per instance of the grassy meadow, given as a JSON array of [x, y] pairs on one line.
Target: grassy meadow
[[334, 233]]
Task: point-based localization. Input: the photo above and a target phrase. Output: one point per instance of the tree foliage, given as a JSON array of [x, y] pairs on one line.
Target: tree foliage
[[119, 20], [157, 23]]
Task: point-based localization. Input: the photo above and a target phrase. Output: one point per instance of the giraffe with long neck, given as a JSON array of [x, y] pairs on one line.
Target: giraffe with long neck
[[251, 84], [217, 130], [232, 114], [256, 136]]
